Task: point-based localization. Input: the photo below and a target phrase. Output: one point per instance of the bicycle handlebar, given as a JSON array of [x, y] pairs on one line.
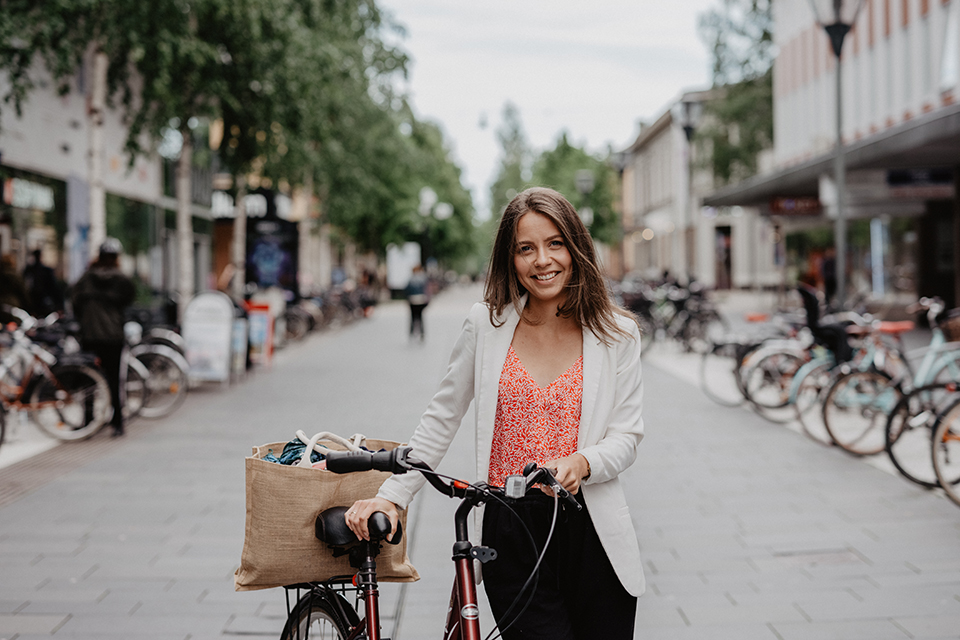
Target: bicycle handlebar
[[399, 461]]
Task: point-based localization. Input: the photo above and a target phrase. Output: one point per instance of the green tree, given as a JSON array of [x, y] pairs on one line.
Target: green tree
[[739, 119], [587, 181], [515, 161]]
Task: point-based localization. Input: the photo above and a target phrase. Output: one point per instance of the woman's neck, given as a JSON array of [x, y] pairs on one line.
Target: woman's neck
[[546, 315]]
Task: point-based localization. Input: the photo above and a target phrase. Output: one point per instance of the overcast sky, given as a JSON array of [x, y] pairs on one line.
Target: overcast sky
[[592, 68]]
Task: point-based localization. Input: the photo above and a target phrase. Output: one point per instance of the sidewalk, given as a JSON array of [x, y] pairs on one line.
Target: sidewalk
[[748, 530]]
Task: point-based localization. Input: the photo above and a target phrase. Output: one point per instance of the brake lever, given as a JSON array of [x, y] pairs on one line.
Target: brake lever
[[558, 488]]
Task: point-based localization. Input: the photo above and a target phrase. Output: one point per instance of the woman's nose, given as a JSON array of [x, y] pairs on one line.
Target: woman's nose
[[540, 257]]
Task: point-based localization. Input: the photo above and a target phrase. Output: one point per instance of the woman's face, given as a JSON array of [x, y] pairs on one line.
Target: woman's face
[[542, 261]]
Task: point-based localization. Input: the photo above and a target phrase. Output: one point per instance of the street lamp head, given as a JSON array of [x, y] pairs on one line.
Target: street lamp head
[[836, 17], [687, 113], [584, 181]]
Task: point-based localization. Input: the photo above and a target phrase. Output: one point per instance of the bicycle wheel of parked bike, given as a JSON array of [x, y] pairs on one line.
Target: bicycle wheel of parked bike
[[703, 330], [72, 405], [767, 385], [945, 451], [855, 411], [324, 616], [3, 424], [909, 432], [136, 390], [167, 381], [720, 375], [808, 405]]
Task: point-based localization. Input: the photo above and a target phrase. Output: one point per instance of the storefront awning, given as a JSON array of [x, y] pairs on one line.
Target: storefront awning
[[927, 142]]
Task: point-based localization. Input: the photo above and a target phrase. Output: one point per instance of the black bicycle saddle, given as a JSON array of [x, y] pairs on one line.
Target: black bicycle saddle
[[331, 527]]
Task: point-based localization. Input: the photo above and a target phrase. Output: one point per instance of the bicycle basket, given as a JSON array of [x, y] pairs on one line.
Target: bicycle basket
[[951, 326]]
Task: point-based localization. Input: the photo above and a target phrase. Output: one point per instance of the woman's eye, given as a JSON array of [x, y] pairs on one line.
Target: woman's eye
[[556, 243], [525, 249]]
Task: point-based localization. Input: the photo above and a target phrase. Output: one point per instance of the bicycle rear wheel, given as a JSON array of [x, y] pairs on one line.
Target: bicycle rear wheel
[[855, 411], [72, 405], [320, 615], [945, 451], [767, 385], [167, 382]]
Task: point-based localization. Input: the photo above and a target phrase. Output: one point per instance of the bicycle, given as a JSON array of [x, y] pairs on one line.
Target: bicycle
[[65, 395], [857, 407], [324, 612], [945, 451]]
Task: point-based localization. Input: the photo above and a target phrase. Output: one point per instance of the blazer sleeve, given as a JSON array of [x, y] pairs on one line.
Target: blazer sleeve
[[617, 449], [441, 420]]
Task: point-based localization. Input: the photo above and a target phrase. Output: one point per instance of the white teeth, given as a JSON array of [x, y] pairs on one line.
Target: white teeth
[[547, 276]]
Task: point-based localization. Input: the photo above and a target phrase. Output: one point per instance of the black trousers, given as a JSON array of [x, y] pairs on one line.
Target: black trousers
[[578, 595], [110, 355], [416, 319]]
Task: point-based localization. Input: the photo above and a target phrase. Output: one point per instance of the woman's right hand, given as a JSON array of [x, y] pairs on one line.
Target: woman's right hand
[[360, 512]]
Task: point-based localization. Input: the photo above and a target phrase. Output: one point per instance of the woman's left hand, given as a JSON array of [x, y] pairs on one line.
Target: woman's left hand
[[570, 472]]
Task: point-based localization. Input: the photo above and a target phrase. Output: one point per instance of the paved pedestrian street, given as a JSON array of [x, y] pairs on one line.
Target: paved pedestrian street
[[748, 530]]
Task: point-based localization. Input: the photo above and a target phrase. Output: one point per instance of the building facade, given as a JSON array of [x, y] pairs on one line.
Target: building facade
[[900, 124], [665, 227]]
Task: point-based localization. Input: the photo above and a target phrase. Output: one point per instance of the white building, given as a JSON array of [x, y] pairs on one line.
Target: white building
[[901, 132], [667, 228]]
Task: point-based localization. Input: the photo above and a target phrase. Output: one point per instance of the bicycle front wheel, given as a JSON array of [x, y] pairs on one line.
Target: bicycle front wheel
[[719, 375], [945, 451], [315, 616], [167, 382], [855, 411], [73, 404]]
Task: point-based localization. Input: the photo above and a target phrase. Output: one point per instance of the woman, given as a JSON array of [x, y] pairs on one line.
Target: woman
[[554, 368]]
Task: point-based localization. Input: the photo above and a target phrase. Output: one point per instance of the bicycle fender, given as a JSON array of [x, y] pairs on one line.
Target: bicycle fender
[[163, 350], [804, 371]]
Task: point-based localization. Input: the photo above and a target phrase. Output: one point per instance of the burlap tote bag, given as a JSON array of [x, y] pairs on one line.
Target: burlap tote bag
[[280, 546]]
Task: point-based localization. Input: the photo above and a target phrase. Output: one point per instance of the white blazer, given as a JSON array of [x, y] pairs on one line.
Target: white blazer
[[611, 424]]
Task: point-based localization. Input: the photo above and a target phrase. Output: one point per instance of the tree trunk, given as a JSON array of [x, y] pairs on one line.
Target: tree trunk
[[239, 253], [185, 270], [95, 115]]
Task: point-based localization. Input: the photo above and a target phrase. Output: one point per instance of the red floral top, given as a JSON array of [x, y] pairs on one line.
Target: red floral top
[[534, 424]]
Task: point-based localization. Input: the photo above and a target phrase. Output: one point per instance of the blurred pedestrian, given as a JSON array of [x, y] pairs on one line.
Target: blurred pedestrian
[[46, 296], [100, 298], [13, 293], [417, 298], [552, 368]]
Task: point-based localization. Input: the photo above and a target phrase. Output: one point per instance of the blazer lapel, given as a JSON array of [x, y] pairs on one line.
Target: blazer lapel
[[496, 344], [592, 363]]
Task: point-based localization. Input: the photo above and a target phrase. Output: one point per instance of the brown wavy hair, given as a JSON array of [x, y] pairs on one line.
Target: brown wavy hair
[[587, 297]]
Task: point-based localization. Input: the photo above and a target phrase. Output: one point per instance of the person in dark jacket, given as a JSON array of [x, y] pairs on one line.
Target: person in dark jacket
[[100, 298], [46, 295], [13, 293]]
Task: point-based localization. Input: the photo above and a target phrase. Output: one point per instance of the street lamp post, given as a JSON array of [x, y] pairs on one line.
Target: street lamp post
[[837, 17], [687, 113]]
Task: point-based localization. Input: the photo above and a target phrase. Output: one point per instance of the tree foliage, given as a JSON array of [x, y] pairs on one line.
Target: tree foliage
[[558, 169], [305, 90], [739, 119]]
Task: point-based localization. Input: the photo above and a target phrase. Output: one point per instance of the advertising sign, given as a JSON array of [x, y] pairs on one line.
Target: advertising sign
[[260, 326], [207, 331]]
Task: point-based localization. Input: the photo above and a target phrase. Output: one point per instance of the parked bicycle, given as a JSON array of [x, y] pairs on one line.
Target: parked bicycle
[[323, 611], [857, 406], [64, 394]]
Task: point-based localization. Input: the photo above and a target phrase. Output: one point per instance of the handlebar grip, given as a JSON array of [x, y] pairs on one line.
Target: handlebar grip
[[392, 461], [349, 461]]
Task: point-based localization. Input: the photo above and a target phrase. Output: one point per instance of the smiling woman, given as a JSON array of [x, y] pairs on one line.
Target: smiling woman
[[559, 386]]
